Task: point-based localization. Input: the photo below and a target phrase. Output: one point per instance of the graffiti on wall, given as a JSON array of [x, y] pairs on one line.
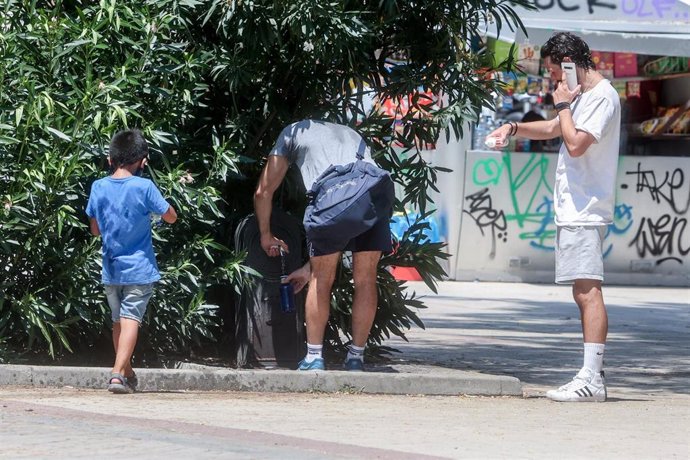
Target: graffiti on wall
[[509, 199], [665, 237], [530, 197], [672, 10], [488, 219]]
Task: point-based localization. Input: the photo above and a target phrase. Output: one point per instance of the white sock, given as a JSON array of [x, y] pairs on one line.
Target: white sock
[[594, 357], [354, 352], [313, 352]]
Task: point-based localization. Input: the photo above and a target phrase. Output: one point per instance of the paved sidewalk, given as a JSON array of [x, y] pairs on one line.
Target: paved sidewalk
[[533, 332], [73, 423], [487, 339], [481, 332]]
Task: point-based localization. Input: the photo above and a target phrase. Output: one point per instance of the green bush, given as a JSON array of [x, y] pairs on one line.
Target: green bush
[[77, 75], [211, 84]]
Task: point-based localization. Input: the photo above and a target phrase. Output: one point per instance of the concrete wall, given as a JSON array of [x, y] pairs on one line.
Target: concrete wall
[[506, 229], [449, 153]]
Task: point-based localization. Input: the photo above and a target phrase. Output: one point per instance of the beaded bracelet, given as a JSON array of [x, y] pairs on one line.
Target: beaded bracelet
[[513, 128], [562, 105]]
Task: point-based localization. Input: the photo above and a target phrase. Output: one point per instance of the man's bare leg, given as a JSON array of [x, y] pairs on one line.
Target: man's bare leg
[[595, 323], [366, 295], [590, 300], [318, 303]]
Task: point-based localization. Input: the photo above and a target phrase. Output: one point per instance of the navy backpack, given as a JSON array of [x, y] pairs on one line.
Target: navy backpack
[[348, 199]]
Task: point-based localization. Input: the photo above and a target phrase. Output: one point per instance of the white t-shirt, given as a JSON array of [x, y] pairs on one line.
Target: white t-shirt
[[584, 193]]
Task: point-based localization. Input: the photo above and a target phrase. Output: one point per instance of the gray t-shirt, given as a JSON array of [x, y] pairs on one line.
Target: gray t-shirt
[[315, 145]]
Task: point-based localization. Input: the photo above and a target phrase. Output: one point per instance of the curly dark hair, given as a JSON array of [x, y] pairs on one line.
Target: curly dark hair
[[566, 44], [127, 147]]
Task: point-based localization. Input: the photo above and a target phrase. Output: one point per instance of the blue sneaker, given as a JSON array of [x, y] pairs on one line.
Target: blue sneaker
[[316, 365], [353, 364]]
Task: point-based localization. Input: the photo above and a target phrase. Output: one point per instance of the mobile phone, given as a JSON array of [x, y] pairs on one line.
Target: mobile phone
[[570, 74]]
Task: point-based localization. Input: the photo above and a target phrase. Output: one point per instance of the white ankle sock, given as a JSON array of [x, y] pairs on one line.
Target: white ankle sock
[[594, 357], [354, 352], [313, 352]]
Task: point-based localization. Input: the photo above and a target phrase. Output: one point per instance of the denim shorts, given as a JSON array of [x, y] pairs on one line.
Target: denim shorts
[[579, 253], [128, 300]]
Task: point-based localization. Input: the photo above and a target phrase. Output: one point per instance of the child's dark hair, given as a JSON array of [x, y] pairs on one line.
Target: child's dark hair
[[565, 44], [127, 147]]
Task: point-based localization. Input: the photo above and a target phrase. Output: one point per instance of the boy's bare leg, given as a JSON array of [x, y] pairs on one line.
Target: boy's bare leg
[[116, 339], [127, 340], [366, 296], [318, 304]]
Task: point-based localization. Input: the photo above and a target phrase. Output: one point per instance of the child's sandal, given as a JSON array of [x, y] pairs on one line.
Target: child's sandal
[[133, 381], [121, 387]]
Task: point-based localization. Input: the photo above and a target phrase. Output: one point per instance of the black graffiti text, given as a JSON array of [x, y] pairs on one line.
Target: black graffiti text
[[485, 216], [573, 5], [664, 237], [664, 190]]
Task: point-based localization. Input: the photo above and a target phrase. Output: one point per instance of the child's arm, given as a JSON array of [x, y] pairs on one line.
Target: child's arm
[[93, 224], [170, 215]]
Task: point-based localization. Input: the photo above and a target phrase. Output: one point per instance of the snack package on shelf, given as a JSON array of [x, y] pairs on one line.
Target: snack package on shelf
[[682, 124], [665, 114], [649, 126], [670, 120]]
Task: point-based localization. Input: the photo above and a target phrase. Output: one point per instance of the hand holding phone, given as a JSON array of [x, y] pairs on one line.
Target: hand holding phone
[[570, 74]]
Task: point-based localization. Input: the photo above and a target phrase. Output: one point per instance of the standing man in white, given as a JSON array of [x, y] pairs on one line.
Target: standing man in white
[[589, 118]]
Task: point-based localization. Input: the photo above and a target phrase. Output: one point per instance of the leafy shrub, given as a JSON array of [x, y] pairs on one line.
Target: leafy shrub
[[211, 83], [79, 74]]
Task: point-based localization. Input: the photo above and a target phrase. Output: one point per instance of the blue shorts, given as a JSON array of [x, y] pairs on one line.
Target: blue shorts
[[128, 300]]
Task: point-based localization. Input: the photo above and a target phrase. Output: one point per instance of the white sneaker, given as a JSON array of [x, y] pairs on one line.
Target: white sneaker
[[586, 386]]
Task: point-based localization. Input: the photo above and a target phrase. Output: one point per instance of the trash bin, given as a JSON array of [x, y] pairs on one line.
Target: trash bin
[[264, 334]]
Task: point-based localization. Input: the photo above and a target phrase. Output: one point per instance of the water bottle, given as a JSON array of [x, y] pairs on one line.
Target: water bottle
[[480, 133], [287, 295], [287, 292], [483, 128]]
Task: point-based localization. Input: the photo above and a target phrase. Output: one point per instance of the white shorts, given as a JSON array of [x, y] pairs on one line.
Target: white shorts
[[579, 253]]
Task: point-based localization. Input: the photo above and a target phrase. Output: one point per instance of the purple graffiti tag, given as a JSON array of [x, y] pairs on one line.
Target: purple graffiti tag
[[637, 8], [484, 215], [646, 8], [663, 6]]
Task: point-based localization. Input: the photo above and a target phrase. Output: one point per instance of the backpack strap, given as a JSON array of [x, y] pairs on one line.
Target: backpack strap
[[361, 149]]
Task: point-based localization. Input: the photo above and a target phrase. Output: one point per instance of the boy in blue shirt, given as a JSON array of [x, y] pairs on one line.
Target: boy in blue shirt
[[119, 209]]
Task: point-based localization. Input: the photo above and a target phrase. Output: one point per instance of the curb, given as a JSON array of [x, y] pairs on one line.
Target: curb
[[447, 383]]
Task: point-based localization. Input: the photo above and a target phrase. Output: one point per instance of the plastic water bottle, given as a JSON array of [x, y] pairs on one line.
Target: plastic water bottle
[[287, 295], [479, 135], [483, 128], [287, 292]]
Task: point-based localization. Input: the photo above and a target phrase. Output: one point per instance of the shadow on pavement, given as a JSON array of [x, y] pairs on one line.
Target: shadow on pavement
[[540, 342]]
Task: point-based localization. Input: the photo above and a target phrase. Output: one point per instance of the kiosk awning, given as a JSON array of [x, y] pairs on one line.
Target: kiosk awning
[[657, 27]]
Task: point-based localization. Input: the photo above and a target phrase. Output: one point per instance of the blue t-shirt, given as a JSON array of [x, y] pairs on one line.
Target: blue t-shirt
[[122, 208]]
